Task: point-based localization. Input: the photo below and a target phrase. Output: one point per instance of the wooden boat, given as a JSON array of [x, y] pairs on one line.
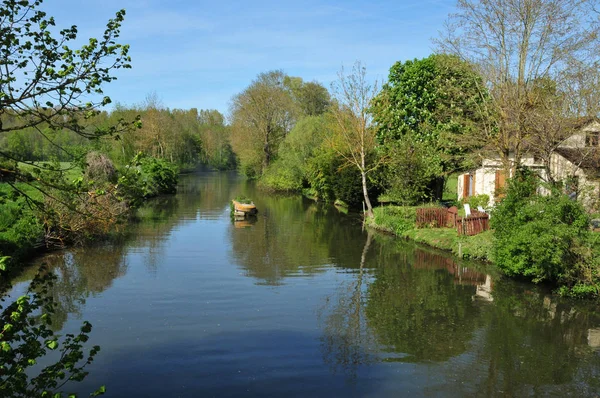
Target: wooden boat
[[243, 209]]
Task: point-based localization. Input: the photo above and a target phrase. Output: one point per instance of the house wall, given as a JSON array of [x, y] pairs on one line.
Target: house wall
[[485, 182], [578, 140], [485, 179]]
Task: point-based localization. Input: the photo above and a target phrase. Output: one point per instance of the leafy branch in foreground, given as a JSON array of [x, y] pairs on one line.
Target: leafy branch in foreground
[[26, 336]]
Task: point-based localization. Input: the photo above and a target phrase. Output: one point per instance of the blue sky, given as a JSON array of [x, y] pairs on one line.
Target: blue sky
[[200, 54]]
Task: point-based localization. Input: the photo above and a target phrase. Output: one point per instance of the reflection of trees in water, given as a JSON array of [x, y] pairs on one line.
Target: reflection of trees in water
[[281, 244], [420, 304], [347, 343], [81, 273], [533, 342]]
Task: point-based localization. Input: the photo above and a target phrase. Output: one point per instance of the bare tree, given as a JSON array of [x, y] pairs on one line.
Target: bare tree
[[354, 139], [515, 44]]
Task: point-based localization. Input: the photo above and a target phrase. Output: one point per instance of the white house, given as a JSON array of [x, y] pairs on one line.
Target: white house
[[576, 162]]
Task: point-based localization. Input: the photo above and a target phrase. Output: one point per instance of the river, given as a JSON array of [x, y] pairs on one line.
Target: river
[[304, 302]]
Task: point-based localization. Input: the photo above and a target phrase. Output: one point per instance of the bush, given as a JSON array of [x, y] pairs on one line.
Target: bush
[[147, 177], [537, 236], [394, 219], [475, 201], [99, 168], [279, 177], [20, 230]]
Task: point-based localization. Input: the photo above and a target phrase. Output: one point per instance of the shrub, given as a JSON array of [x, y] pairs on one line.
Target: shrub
[[20, 230], [395, 219], [280, 177], [536, 236], [147, 177], [99, 168], [475, 201]]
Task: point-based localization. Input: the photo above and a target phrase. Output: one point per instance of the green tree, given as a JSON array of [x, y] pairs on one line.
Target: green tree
[[514, 44], [261, 116], [47, 86], [428, 107], [311, 97], [215, 136]]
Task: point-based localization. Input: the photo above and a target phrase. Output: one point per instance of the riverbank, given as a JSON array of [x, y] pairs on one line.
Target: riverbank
[[578, 278], [75, 208], [400, 221]]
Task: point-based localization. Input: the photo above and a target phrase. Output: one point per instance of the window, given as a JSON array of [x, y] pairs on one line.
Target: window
[[468, 185]]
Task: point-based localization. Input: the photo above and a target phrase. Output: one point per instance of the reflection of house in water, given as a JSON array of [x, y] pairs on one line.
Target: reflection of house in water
[[593, 338], [484, 291]]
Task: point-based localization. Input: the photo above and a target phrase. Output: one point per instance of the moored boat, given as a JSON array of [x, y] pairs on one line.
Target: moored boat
[[244, 208]]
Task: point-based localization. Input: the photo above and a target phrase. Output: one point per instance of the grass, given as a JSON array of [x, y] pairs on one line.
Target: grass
[[451, 190], [400, 221]]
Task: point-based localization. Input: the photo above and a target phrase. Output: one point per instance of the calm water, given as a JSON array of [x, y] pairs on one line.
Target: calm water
[[305, 303]]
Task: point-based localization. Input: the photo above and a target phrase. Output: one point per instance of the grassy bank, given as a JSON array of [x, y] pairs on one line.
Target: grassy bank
[[534, 247], [400, 221], [76, 206]]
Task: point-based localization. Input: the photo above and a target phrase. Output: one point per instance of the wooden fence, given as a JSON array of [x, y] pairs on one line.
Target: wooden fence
[[432, 217], [473, 225], [438, 217]]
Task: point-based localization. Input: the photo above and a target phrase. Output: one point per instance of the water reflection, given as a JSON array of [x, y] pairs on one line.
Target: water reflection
[[304, 293], [80, 275], [292, 236], [347, 343]]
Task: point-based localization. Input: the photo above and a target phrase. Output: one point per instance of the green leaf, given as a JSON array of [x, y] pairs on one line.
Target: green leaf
[[52, 344]]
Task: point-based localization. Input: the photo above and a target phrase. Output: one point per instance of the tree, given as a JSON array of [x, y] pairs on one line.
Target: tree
[[354, 136], [215, 137], [261, 116], [47, 86], [311, 97], [515, 44], [428, 108]]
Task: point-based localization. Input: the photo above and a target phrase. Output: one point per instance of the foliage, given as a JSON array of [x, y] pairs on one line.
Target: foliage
[[536, 236], [26, 337], [215, 140], [410, 171], [20, 230], [147, 177], [260, 118], [100, 168], [47, 85], [475, 201], [290, 172], [311, 98], [428, 110]]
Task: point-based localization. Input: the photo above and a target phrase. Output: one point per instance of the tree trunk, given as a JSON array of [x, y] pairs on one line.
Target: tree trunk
[[366, 194]]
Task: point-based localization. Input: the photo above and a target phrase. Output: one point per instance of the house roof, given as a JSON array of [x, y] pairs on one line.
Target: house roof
[[580, 122], [588, 159]]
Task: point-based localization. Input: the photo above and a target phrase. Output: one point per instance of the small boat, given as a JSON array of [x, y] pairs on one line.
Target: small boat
[[244, 209]]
